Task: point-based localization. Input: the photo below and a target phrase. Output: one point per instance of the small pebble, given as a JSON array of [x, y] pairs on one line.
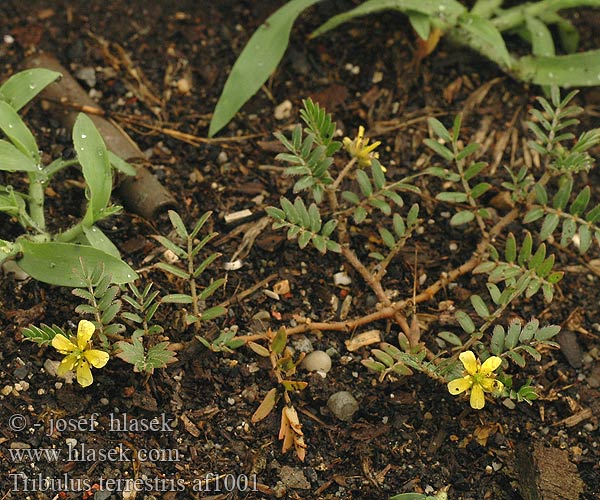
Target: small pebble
[[88, 75], [222, 158], [341, 279], [51, 367], [377, 77], [9, 39], [342, 405], [283, 110], [453, 247], [302, 344], [22, 385], [317, 361], [6, 390], [71, 442], [184, 86]]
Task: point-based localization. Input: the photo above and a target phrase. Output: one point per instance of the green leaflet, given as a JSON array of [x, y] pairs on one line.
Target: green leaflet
[[257, 61]]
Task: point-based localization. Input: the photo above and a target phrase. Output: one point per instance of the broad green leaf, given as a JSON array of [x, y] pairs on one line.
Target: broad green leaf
[[93, 158], [13, 160], [257, 61], [485, 38], [420, 23], [542, 43], [99, 240], [22, 87], [58, 263], [572, 70], [15, 129]]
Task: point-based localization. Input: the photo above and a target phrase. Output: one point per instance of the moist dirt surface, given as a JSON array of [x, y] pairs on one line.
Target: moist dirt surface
[[185, 432]]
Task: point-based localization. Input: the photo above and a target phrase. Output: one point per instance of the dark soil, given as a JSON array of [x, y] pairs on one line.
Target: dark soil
[[408, 436]]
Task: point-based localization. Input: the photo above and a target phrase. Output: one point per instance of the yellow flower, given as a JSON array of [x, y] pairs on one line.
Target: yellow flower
[[360, 149], [79, 354], [478, 377]]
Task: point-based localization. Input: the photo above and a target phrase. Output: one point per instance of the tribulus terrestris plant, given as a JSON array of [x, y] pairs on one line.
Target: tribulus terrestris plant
[[122, 319], [338, 205]]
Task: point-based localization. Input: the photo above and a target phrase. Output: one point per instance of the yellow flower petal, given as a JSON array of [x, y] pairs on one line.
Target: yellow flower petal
[[469, 362], [84, 374], [63, 344], [96, 357], [66, 365], [460, 385], [491, 385], [85, 330], [477, 397], [490, 364], [361, 133]]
